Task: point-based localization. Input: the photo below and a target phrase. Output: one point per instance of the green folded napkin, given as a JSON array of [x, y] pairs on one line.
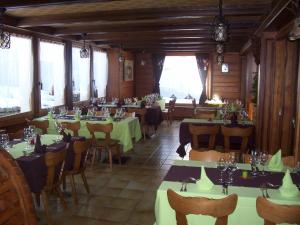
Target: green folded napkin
[[275, 162], [77, 117], [204, 183], [109, 119], [288, 188]]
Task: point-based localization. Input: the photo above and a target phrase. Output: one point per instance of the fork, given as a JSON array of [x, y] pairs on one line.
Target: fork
[[262, 191], [266, 190], [181, 189]]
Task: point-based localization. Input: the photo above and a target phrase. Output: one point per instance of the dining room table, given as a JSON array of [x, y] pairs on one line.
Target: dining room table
[[247, 188], [124, 129], [33, 164], [185, 136]]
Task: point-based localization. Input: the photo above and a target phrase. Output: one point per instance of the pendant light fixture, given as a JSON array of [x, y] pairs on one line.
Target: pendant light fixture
[[4, 36], [84, 52]]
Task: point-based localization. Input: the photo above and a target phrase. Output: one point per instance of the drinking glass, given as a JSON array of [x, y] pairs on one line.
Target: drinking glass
[[263, 158], [221, 166], [232, 167], [4, 140]]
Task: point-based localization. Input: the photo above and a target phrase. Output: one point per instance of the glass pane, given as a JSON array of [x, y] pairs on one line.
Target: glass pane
[[181, 73], [16, 77], [81, 76], [100, 73], [52, 69]]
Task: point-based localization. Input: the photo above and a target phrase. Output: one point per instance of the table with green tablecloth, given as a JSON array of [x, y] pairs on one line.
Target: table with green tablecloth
[[245, 212], [124, 130]]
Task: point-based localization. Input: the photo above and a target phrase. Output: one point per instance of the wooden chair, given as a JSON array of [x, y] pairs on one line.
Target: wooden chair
[[207, 156], [142, 113], [276, 214], [289, 161], [103, 144], [218, 208], [40, 124], [169, 113], [17, 135], [73, 126], [16, 205], [244, 133], [199, 114], [196, 131], [129, 114], [54, 162], [80, 149], [99, 113]]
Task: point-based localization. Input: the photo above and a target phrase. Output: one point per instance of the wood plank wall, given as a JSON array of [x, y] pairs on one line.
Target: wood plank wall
[[277, 95], [227, 85], [144, 81], [116, 86]]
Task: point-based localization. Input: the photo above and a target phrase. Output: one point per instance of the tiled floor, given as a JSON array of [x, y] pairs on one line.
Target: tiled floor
[[125, 195]]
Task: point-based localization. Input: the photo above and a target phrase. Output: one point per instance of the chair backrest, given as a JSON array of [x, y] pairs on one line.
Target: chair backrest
[[218, 208], [199, 114], [141, 112], [99, 113], [73, 126], [195, 131], [80, 150], [129, 114], [40, 124], [208, 156], [171, 107], [104, 128], [275, 214], [289, 161], [54, 161], [17, 135], [16, 206], [244, 133]]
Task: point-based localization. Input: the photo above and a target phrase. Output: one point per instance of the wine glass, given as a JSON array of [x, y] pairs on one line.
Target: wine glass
[[263, 158], [221, 166], [4, 140], [232, 167]]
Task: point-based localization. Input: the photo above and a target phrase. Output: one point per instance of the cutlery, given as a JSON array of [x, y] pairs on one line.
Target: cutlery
[[273, 185], [182, 183], [185, 189], [265, 187]]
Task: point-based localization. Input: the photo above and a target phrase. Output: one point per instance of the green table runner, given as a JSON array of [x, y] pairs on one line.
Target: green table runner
[[123, 130], [244, 214]]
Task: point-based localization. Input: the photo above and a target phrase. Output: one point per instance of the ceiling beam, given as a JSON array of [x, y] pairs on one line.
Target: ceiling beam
[[140, 14], [12, 4]]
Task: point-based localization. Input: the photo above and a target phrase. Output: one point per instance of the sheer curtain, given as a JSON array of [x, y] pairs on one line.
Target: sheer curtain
[[16, 75], [180, 77], [81, 76], [100, 73], [52, 72]]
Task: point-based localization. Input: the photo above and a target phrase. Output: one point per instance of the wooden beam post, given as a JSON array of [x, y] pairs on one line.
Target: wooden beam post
[[69, 82]]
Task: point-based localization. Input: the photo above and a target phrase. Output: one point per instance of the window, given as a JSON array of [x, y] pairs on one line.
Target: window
[[180, 78], [52, 74], [100, 73], [16, 77], [81, 76]]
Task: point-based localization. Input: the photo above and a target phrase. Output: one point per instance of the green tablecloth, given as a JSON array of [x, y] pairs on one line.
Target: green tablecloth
[[17, 150], [245, 212], [123, 130]]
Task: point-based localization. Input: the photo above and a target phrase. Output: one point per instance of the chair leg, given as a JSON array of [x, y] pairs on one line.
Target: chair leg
[[74, 194], [61, 198], [110, 158], [46, 207], [94, 156], [85, 182], [37, 199], [64, 183], [118, 153]]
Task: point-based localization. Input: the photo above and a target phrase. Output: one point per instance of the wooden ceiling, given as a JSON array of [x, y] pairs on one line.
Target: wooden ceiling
[[140, 25]]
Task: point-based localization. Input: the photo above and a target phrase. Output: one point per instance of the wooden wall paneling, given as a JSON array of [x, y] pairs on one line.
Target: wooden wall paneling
[[289, 97], [243, 78], [227, 85], [68, 75], [114, 70], [297, 116], [127, 87], [144, 81], [209, 77], [277, 93], [36, 93]]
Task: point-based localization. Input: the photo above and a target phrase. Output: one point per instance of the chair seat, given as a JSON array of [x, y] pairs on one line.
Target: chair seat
[[102, 143]]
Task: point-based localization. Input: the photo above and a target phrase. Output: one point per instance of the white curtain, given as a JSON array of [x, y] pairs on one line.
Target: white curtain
[[52, 74], [100, 72], [16, 74], [180, 77], [81, 75]]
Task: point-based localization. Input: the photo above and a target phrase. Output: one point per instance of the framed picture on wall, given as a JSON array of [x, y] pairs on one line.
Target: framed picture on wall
[[128, 70]]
